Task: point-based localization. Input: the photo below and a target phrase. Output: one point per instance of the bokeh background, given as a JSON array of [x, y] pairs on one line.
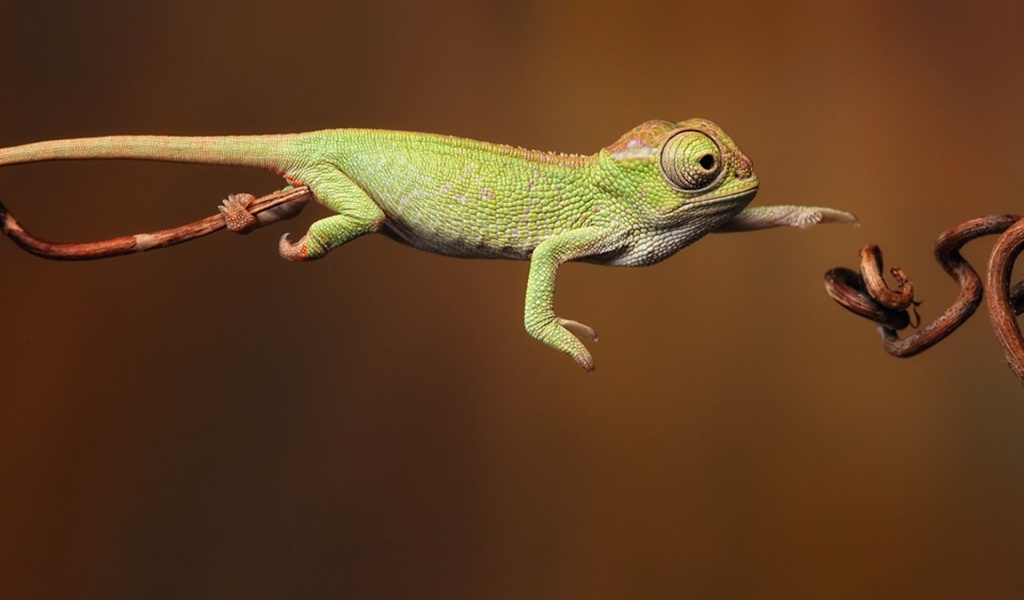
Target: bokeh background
[[210, 421]]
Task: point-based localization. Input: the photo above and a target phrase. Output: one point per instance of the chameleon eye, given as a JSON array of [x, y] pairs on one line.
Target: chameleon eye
[[690, 161]]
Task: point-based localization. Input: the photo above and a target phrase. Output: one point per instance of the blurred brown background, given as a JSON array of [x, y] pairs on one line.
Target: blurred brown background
[[210, 421]]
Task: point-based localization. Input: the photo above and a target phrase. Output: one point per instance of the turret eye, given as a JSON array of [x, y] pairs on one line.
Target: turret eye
[[691, 161]]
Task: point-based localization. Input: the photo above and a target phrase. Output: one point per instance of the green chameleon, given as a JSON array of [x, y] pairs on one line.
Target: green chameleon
[[659, 188]]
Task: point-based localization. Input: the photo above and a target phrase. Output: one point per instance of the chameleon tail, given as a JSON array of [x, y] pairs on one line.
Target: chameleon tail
[[272, 152]]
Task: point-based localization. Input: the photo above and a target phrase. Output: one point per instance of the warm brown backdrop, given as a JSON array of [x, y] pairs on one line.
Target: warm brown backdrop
[[212, 422]]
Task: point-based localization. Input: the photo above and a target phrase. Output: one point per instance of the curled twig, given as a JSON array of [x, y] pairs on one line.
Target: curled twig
[[871, 269], [1002, 307], [867, 295], [145, 241], [848, 288]]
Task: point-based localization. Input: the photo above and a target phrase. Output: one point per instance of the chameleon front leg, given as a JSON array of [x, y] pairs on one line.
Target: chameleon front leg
[[357, 215], [764, 217], [539, 317]]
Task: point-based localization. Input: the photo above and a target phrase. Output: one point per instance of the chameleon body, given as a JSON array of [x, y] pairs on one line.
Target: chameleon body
[[660, 187]]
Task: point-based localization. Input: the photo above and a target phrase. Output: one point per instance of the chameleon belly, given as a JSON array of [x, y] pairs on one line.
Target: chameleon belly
[[471, 199]]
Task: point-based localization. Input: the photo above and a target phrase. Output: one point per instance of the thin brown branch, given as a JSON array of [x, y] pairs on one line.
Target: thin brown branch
[[143, 241], [1000, 307], [867, 295]]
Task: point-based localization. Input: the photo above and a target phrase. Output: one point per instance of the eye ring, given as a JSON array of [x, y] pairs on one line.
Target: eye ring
[[691, 161]]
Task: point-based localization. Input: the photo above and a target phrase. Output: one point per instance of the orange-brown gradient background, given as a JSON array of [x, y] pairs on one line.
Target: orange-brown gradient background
[[210, 421]]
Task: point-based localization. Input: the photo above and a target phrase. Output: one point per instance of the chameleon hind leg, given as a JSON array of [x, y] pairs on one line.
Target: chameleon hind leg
[[357, 215]]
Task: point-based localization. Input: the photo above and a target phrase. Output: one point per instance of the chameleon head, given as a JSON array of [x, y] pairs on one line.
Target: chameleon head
[[700, 162]]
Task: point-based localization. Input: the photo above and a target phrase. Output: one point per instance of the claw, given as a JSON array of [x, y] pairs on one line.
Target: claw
[[579, 328], [292, 252]]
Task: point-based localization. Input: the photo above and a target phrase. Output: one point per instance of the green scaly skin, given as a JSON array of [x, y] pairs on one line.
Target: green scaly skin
[[659, 188]]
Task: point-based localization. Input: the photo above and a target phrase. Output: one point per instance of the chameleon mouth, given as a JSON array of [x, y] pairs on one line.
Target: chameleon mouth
[[746, 195]]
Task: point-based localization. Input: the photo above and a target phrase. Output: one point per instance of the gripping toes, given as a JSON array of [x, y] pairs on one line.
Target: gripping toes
[[816, 215], [236, 213], [558, 334]]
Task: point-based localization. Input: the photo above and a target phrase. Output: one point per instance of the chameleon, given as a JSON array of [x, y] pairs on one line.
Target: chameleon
[[660, 187]]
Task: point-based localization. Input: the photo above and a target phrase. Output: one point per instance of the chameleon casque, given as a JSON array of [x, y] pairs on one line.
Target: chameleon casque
[[657, 189]]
